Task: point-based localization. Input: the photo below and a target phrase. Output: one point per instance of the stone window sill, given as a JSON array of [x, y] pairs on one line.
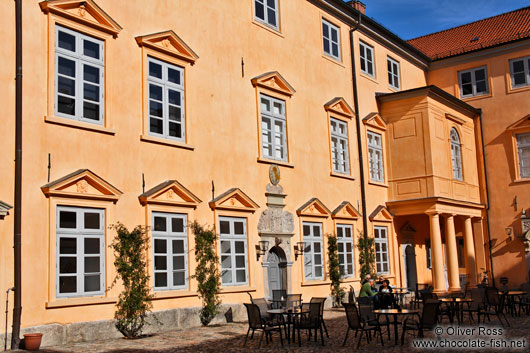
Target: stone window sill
[[343, 176], [316, 283], [168, 294], [79, 125], [272, 161], [166, 142], [237, 289], [375, 183], [69, 302]]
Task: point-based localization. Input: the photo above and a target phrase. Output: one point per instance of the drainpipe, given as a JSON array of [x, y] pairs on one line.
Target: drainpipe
[[487, 196], [358, 124], [17, 306]]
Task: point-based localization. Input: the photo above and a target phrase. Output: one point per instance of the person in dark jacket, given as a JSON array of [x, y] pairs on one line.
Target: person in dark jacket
[[386, 298]]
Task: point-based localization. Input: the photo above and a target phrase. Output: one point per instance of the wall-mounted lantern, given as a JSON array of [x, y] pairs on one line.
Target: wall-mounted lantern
[[299, 249], [509, 232], [262, 248]]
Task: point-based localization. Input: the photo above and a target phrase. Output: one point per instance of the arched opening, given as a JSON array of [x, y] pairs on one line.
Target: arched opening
[[411, 271], [277, 269]]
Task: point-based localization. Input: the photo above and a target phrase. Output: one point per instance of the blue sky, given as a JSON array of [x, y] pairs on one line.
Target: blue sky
[[413, 18]]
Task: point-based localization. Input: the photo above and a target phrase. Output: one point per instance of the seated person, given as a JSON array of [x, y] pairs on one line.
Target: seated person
[[366, 279], [386, 299], [368, 291]]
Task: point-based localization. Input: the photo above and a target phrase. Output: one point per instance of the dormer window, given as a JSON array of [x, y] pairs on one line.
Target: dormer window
[[473, 82]]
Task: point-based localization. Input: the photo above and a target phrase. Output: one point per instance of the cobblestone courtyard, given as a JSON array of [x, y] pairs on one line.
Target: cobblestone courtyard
[[230, 338]]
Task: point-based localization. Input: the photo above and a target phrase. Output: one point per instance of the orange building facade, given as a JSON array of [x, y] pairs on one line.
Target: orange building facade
[[486, 65], [247, 117]]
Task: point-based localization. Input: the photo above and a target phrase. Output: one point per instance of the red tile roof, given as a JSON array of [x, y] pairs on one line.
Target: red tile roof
[[489, 32]]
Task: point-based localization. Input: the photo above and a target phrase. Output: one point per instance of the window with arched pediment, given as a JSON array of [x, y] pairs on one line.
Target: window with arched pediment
[[456, 154]]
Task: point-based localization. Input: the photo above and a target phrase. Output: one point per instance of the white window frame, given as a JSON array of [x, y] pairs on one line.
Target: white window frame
[[80, 60], [522, 147], [375, 157], [456, 155], [526, 71], [473, 73], [329, 39], [428, 254], [168, 236], [266, 20], [80, 234], [232, 238], [310, 255], [270, 137], [366, 60], [340, 157], [393, 73], [381, 238], [345, 238], [166, 86]]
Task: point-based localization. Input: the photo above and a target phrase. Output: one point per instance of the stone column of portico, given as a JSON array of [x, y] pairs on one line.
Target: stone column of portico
[[469, 248], [436, 252], [452, 254]]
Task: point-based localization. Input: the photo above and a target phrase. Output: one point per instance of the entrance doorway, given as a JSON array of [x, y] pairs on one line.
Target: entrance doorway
[[410, 267], [277, 270]]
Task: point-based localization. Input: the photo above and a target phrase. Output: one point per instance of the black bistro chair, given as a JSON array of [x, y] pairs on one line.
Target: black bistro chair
[[277, 295], [427, 321], [478, 297], [310, 321], [294, 300], [264, 306], [417, 300], [494, 305], [255, 323], [355, 323], [370, 319], [321, 300]]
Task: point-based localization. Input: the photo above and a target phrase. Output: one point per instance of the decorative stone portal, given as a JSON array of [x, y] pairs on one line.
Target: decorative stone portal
[[277, 227]]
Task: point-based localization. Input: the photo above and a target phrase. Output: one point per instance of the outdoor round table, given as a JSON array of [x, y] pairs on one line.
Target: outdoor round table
[[395, 313], [291, 314], [455, 307], [511, 294]]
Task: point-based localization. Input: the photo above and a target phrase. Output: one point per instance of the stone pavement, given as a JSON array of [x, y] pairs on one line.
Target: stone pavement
[[230, 337]]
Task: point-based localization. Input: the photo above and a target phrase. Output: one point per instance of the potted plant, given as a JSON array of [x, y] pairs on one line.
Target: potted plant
[[32, 341]]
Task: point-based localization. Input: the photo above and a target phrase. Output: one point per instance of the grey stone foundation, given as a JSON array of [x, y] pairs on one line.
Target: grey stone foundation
[[159, 321]]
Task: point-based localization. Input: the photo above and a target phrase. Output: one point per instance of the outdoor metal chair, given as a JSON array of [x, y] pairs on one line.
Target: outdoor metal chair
[[321, 301], [416, 301], [256, 323], [310, 321], [427, 321], [355, 323], [264, 306], [369, 318], [277, 295], [523, 302], [478, 297], [293, 300], [494, 305]]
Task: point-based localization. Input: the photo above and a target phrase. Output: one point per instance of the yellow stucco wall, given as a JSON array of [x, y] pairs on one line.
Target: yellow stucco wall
[[222, 137]]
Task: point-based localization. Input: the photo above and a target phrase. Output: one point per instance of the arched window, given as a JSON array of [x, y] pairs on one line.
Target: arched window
[[456, 155]]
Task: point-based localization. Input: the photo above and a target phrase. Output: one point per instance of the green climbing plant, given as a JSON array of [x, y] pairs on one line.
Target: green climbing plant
[[366, 255], [134, 302], [206, 272], [337, 292]]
